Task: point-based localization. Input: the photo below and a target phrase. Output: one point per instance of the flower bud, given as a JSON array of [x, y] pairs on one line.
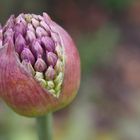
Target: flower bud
[[20, 44], [45, 26], [39, 75], [39, 65], [37, 48], [40, 32], [48, 43], [50, 73], [51, 58], [59, 51], [59, 66], [30, 36], [20, 28], [26, 54], [30, 27], [35, 22], [20, 20], [50, 85]]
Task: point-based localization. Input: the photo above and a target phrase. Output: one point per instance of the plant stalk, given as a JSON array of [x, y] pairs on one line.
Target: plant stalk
[[44, 127]]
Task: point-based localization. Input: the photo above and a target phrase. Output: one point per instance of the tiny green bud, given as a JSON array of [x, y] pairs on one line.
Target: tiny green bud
[[52, 91], [42, 82], [59, 66], [50, 84], [57, 93], [59, 78], [58, 87], [39, 75]]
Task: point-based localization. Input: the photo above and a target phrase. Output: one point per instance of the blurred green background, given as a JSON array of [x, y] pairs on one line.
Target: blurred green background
[[107, 35]]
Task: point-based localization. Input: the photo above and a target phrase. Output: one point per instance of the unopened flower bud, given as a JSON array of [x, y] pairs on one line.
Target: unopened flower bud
[[39, 75], [48, 43], [42, 82], [30, 36], [20, 43], [40, 17], [26, 54], [20, 19], [35, 22], [51, 58], [55, 37], [50, 73], [45, 26], [30, 27], [59, 51], [28, 17], [36, 48], [50, 84], [20, 28], [59, 78], [40, 32], [46, 18], [52, 91], [59, 66], [58, 88], [39, 65]]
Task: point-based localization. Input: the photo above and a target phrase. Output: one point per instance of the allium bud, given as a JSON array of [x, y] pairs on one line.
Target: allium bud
[[30, 36], [39, 65], [20, 43], [51, 58], [26, 54], [37, 48], [20, 28], [50, 73], [48, 43]]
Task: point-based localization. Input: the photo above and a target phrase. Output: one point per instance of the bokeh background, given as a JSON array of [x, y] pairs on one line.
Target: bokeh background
[[107, 35]]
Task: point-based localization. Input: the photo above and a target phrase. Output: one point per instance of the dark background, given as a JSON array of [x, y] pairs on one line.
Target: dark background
[[107, 35]]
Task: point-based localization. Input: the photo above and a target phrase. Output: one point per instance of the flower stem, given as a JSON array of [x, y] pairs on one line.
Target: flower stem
[[44, 127]]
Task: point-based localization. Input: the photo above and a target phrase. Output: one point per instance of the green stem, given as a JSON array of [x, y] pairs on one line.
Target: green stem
[[44, 127]]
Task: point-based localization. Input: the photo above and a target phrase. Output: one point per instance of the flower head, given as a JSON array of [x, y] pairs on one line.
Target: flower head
[[39, 65]]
